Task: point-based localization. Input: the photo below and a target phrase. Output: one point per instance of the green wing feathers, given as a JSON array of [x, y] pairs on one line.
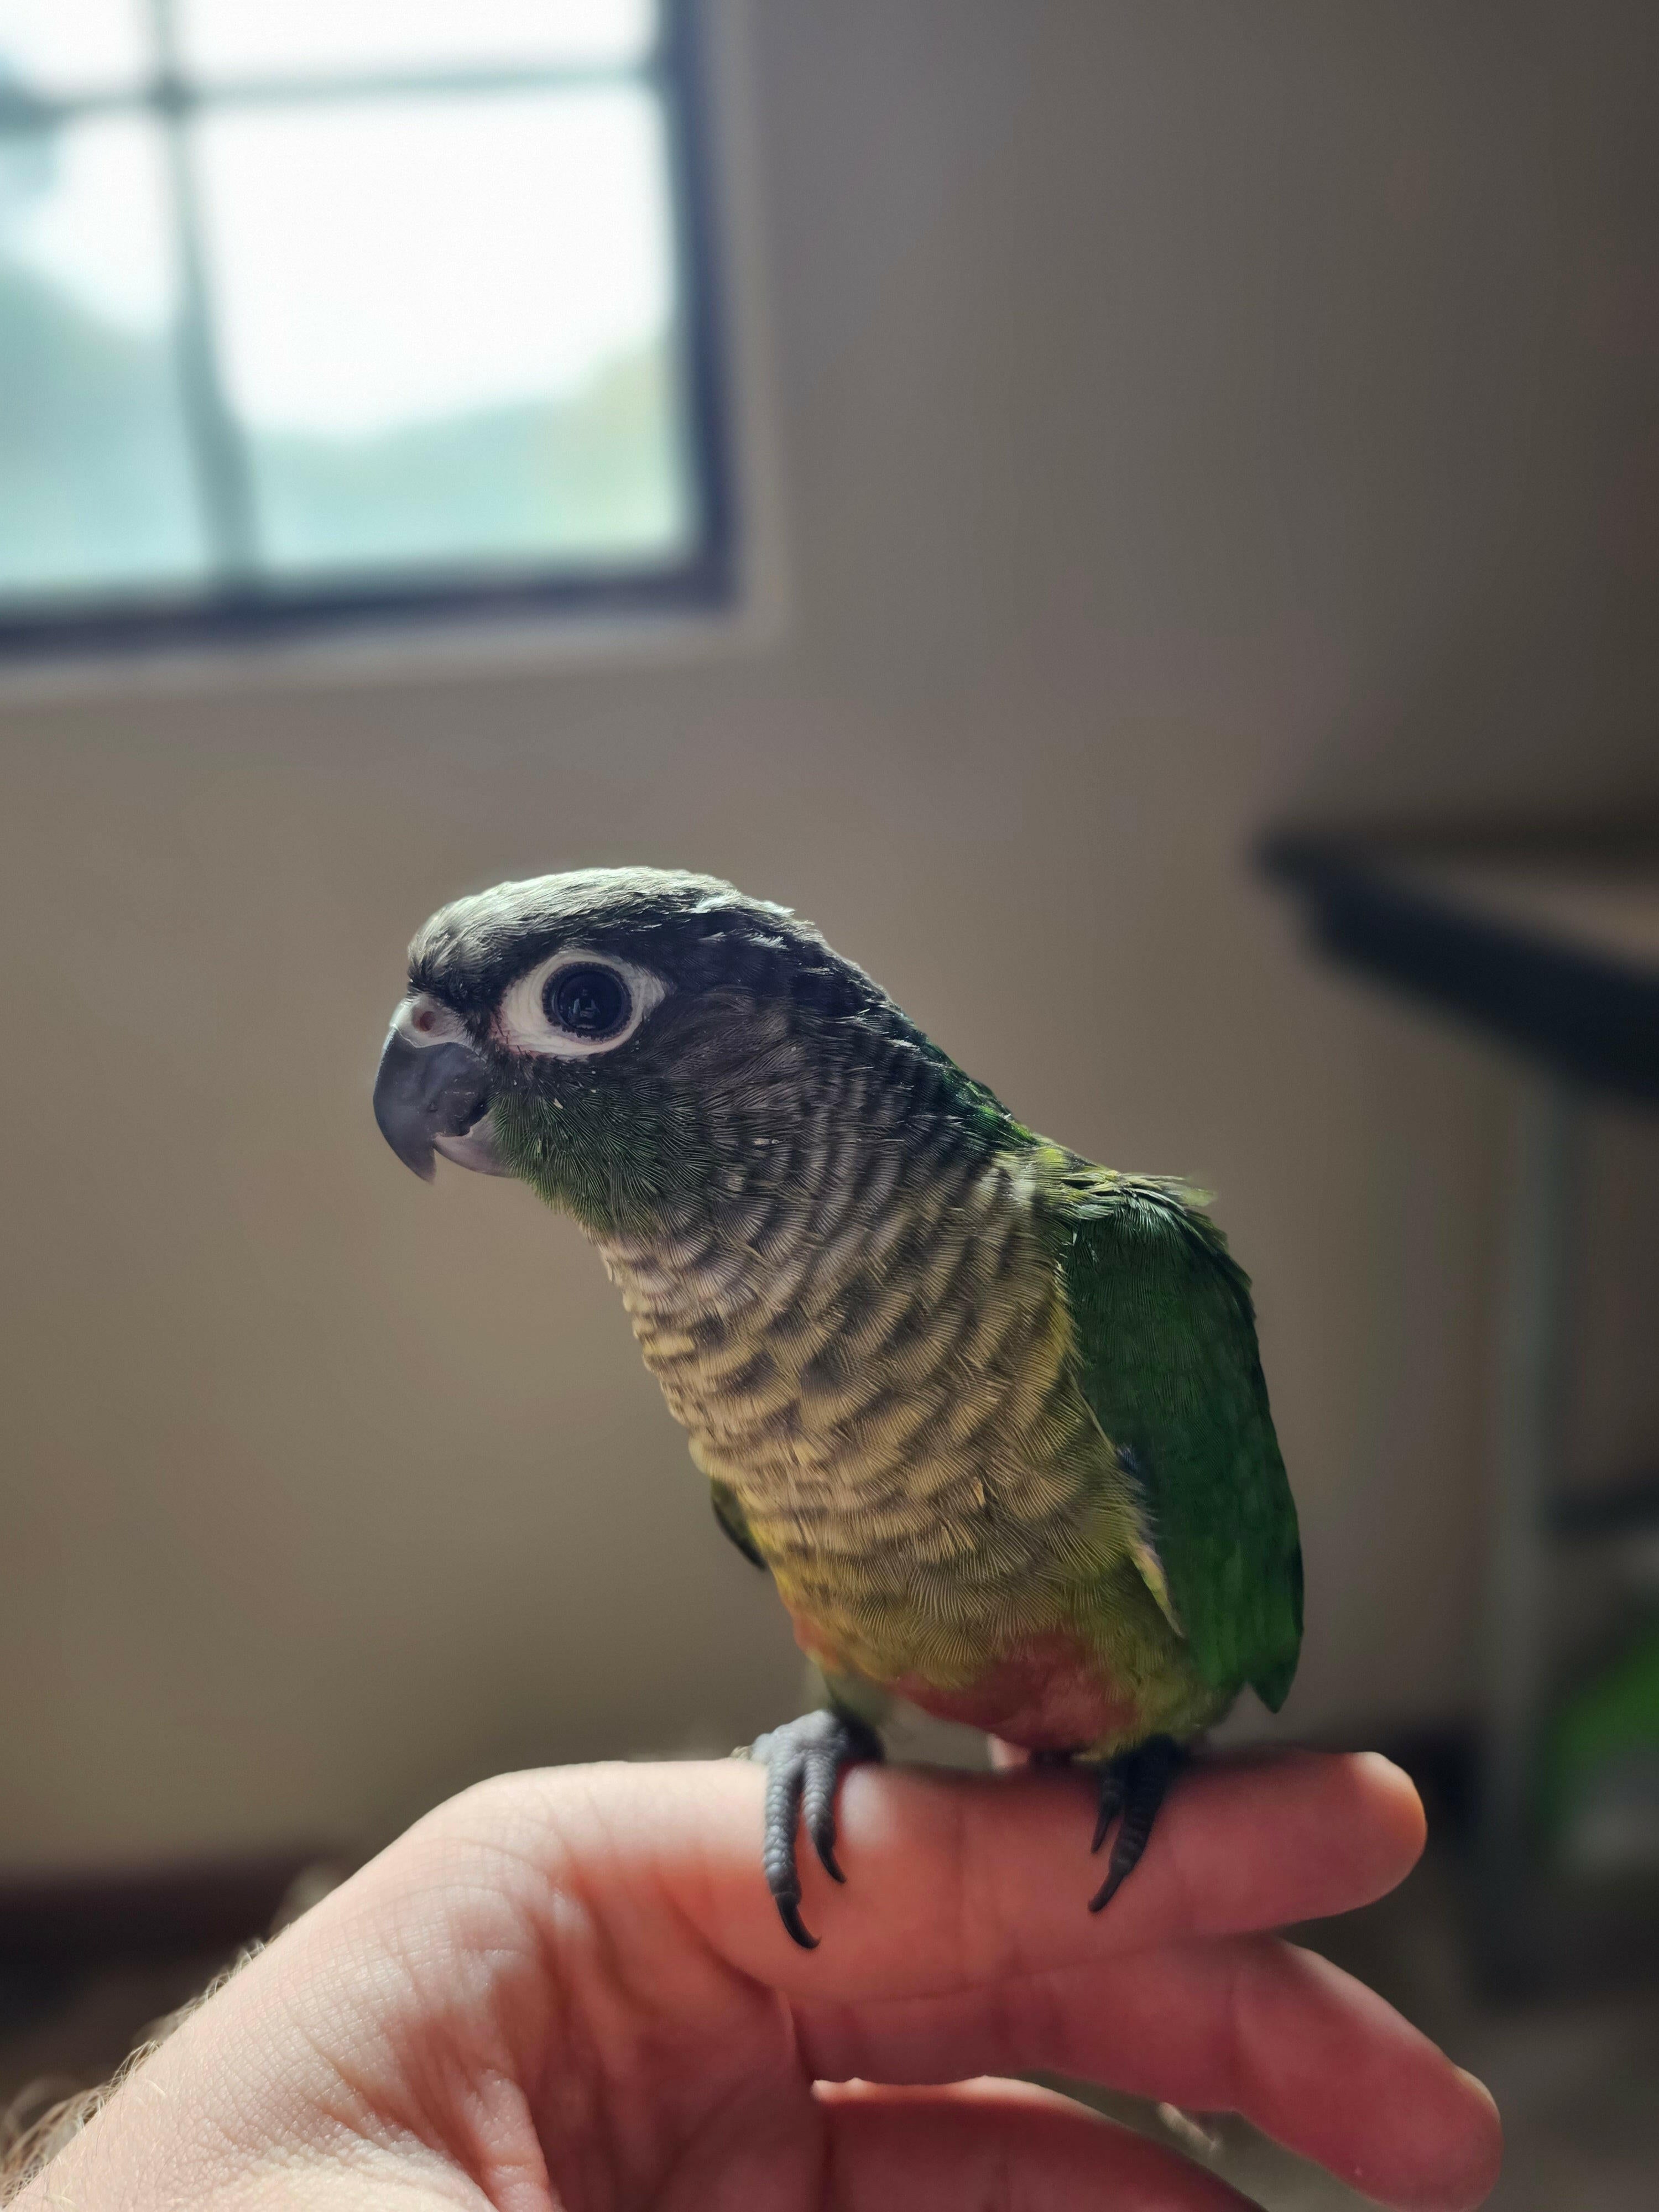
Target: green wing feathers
[[729, 1514], [1166, 1342]]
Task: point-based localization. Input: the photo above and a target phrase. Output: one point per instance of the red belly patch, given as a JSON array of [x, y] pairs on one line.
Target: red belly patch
[[1053, 1694]]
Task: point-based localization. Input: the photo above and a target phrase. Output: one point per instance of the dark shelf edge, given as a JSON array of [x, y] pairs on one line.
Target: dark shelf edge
[[1611, 1508], [1594, 1019]]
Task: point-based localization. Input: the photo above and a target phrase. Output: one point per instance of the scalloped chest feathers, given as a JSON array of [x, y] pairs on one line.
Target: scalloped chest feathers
[[871, 1350]]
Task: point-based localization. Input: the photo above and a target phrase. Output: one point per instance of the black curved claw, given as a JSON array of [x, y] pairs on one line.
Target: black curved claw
[[805, 1760], [1112, 1787], [1133, 1785]]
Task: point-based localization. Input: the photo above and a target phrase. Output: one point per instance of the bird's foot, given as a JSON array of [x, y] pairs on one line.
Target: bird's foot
[[1132, 1786], [805, 1760]]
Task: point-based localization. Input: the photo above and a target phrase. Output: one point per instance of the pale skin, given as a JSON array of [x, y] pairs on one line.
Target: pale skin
[[570, 1990]]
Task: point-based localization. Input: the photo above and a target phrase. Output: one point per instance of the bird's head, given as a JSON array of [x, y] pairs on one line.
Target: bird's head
[[626, 1039]]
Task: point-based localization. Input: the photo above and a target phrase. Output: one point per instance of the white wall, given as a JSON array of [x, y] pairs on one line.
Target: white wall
[[1184, 412]]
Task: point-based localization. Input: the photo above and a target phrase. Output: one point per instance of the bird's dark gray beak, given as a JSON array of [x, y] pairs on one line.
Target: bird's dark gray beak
[[434, 1098]]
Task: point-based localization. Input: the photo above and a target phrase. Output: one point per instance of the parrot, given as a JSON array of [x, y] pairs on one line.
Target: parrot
[[992, 1417]]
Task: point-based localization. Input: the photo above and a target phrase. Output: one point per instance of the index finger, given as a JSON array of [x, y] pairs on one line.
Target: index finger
[[956, 1881]]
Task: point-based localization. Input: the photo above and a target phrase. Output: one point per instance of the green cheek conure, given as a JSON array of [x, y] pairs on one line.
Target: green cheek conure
[[992, 1416]]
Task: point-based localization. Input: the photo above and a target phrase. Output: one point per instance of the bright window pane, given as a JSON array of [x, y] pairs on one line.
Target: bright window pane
[[72, 45], [96, 485], [223, 39], [446, 326]]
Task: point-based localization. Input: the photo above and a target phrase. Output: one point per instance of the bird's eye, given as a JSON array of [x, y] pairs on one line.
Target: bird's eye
[[577, 1003], [588, 1001]]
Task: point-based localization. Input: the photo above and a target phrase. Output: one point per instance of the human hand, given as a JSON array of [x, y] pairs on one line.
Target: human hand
[[569, 1991]]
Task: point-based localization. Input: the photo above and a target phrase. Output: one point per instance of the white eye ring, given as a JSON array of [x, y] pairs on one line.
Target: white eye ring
[[522, 1019], [422, 1020]]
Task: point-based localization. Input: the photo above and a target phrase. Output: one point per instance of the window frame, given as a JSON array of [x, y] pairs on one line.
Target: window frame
[[226, 612]]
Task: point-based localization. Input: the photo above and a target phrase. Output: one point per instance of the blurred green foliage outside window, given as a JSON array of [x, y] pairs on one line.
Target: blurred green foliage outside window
[[302, 299]]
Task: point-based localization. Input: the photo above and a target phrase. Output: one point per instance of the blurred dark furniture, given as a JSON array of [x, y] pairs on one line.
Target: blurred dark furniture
[[1548, 941]]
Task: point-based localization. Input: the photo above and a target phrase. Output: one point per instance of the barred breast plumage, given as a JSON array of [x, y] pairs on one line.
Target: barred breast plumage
[[865, 1336]]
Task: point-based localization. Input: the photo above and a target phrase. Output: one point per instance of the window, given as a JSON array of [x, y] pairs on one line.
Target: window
[[315, 307]]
